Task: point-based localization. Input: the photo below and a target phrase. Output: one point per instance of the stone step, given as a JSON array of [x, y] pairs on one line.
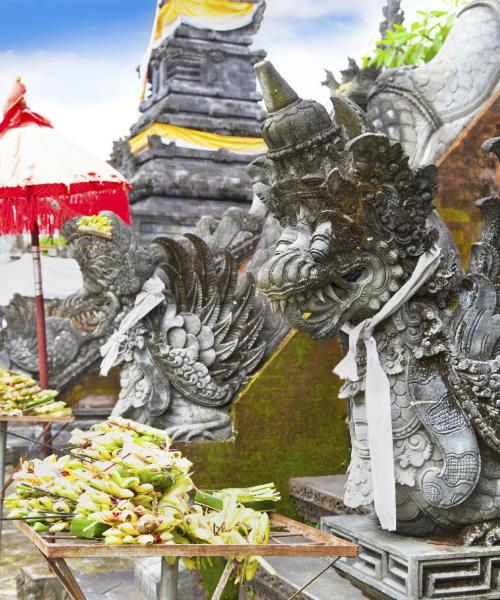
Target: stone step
[[40, 582], [292, 573], [323, 496]]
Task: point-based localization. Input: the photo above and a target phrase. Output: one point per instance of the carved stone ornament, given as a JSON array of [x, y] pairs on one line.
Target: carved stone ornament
[[184, 362], [355, 220], [425, 108], [113, 273]]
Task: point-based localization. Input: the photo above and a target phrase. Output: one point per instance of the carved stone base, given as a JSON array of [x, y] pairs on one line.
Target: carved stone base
[[35, 583], [404, 568], [318, 497]]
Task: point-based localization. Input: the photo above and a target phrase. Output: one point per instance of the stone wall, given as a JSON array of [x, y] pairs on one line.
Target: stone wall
[[467, 174], [289, 423]]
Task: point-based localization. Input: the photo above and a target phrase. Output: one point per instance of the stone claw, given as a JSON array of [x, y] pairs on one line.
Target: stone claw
[[188, 433], [482, 534]]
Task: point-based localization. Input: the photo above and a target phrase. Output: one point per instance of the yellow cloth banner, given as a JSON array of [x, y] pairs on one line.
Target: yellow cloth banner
[[192, 138], [173, 9]]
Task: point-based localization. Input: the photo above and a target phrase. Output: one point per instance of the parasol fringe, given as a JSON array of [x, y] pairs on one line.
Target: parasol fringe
[[20, 209]]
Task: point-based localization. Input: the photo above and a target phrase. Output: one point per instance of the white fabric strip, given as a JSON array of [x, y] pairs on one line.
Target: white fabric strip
[[378, 391], [150, 297], [143, 67]]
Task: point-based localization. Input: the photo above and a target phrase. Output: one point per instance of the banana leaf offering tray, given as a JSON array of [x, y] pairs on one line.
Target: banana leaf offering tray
[[99, 225], [287, 538], [37, 419], [121, 490], [22, 397]]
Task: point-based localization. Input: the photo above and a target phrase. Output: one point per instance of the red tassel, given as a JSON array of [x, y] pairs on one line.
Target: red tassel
[[51, 205]]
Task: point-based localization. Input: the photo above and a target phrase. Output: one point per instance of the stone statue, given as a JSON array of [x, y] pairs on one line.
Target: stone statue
[[183, 363], [355, 219], [426, 107], [113, 272]]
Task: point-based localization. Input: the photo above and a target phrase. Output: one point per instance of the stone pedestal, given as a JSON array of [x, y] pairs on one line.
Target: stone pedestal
[[404, 568], [322, 496], [39, 583]]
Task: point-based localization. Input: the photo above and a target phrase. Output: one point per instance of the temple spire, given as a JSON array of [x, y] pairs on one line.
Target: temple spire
[[200, 127]]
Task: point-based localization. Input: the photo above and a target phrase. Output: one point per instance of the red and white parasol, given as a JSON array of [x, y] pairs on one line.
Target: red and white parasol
[[44, 180]]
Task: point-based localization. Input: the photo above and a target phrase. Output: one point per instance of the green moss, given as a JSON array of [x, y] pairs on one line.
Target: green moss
[[289, 423], [92, 385], [210, 578]]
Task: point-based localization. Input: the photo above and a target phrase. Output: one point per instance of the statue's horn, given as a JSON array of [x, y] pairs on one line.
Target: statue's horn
[[275, 90], [348, 114]]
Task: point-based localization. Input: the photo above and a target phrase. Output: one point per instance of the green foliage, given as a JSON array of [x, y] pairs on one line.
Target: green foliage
[[419, 42], [210, 578]]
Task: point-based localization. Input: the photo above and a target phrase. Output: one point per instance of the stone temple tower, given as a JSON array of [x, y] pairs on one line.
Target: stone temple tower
[[199, 127]]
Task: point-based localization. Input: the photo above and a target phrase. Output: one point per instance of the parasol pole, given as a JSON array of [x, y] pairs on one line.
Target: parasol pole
[[41, 337], [39, 309]]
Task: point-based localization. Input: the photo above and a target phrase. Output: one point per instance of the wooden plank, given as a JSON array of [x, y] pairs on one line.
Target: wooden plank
[[316, 543], [34, 537], [307, 531], [36, 419], [227, 550]]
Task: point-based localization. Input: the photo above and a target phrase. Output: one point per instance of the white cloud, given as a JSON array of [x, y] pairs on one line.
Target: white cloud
[[302, 60], [93, 100]]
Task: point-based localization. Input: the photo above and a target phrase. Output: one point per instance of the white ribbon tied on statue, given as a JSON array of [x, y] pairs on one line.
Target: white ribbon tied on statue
[[378, 390], [150, 297]]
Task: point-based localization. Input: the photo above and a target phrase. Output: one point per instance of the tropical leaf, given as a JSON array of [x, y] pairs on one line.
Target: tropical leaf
[[416, 43]]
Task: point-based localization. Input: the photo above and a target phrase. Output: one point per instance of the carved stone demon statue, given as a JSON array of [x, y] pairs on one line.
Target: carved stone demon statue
[[355, 221], [183, 363], [113, 273]]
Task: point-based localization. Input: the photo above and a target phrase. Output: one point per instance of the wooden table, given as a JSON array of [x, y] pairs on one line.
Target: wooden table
[[288, 538], [4, 424]]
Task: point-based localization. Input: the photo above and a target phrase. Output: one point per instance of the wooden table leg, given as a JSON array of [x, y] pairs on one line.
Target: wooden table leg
[[66, 577], [3, 450], [169, 580]]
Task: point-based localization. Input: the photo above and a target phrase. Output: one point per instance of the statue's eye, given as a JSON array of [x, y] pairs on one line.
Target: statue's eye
[[321, 241], [288, 236]]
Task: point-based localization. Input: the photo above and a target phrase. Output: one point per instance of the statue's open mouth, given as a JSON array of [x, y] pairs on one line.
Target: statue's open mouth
[[319, 310]]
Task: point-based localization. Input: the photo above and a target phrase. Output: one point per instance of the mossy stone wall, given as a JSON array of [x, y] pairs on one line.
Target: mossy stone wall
[[288, 421]]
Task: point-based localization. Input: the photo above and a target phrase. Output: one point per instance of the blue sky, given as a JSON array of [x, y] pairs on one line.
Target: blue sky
[[79, 58], [28, 25], [114, 25]]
